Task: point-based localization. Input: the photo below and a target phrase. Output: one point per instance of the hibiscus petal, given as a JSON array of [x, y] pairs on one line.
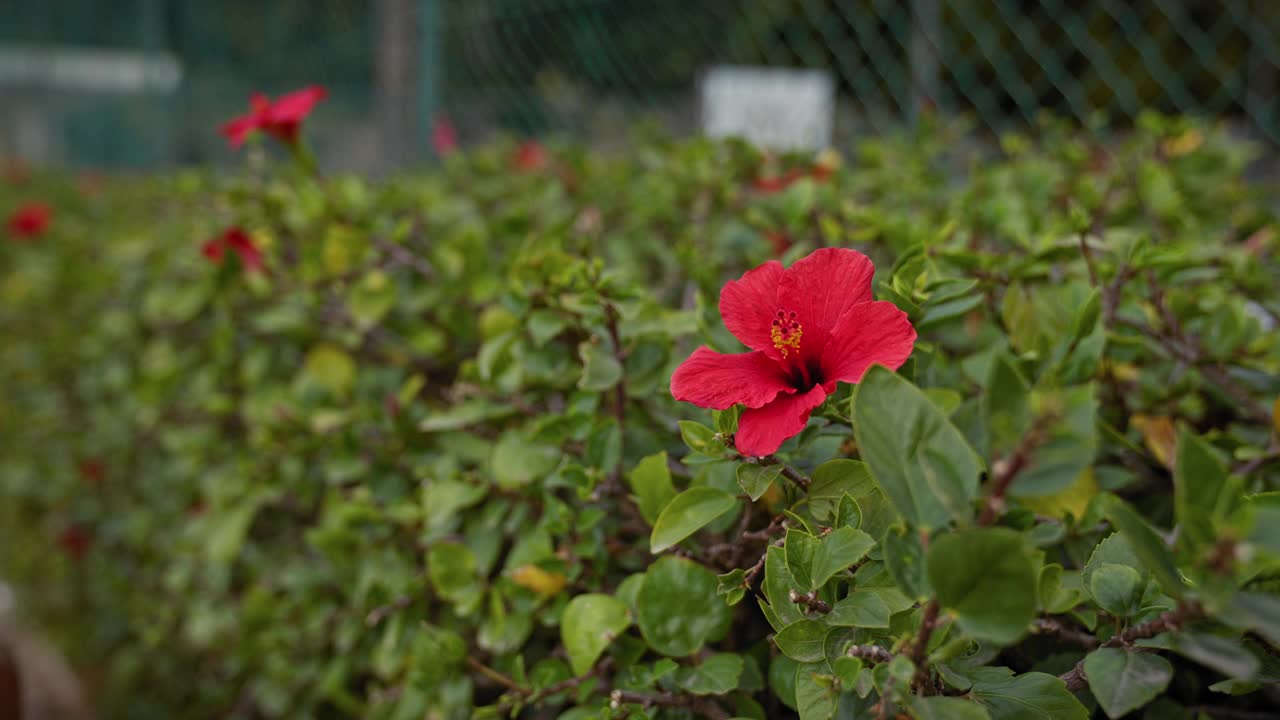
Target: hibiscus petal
[[239, 128], [748, 304], [295, 106], [820, 288], [713, 380], [868, 333], [761, 431]]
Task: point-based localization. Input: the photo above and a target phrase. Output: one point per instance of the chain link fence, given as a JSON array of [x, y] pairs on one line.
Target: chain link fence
[[591, 68]]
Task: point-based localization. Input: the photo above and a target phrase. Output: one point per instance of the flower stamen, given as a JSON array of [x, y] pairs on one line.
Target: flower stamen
[[786, 333]]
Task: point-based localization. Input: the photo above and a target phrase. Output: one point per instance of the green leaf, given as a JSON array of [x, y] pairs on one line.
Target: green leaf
[[600, 369], [803, 641], [756, 479], [650, 480], [840, 549], [677, 609], [716, 675], [517, 460], [452, 568], [329, 367], [1255, 611], [985, 576], [801, 549], [778, 585], [588, 624], [1086, 316], [1199, 483], [848, 513], [814, 700], [862, 609], [945, 708], [1226, 655], [732, 586], [904, 559], [920, 460], [700, 438], [1117, 588], [687, 513], [1029, 696], [1146, 544], [832, 480], [1124, 680], [544, 324]]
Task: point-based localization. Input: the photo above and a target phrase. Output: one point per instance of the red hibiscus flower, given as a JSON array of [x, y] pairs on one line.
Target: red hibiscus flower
[[239, 242], [280, 119], [809, 327], [75, 541], [531, 156], [92, 471], [770, 184], [444, 137], [30, 221]]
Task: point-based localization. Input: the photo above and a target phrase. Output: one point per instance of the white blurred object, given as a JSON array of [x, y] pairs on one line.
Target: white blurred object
[[89, 69], [45, 686], [779, 108]]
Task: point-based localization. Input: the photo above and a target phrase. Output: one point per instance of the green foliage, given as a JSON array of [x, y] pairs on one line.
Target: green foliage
[[428, 464]]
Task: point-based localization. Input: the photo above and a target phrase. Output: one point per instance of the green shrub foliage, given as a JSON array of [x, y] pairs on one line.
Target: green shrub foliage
[[425, 461]]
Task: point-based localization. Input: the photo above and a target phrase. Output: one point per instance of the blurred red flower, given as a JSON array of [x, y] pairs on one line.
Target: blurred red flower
[[444, 137], [531, 156], [92, 470], [30, 221], [809, 326], [238, 241], [281, 118], [75, 541]]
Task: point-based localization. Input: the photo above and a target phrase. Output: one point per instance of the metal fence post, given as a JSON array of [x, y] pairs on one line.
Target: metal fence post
[[926, 32], [430, 55]]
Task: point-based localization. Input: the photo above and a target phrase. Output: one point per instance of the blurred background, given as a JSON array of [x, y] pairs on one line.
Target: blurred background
[[140, 84]]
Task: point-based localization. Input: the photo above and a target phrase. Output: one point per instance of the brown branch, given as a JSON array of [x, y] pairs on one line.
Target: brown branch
[[378, 614], [874, 653], [701, 707], [1056, 628], [810, 601], [620, 389], [495, 676], [1008, 469], [920, 650], [1166, 622]]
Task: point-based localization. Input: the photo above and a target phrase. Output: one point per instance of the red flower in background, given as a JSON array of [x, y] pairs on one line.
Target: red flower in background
[[75, 541], [444, 137], [238, 241], [281, 118], [92, 471], [30, 221], [769, 184], [531, 156], [809, 327]]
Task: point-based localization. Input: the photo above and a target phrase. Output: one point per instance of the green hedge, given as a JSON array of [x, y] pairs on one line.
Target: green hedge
[[415, 467]]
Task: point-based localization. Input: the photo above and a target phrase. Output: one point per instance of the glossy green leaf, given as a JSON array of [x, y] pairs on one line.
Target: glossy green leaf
[[587, 626], [714, 675], [945, 708], [1124, 680], [756, 479], [862, 609], [650, 482], [1147, 545], [837, 551], [985, 576], [687, 513], [677, 608], [803, 640], [917, 457]]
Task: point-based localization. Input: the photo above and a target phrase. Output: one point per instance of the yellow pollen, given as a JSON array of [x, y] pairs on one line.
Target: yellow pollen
[[785, 335]]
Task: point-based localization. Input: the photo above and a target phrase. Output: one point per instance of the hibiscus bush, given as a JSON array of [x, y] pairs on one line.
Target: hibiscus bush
[[932, 430]]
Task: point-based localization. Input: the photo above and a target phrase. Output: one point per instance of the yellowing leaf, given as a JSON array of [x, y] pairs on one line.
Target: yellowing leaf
[[1159, 435], [1072, 499], [1275, 415], [330, 368], [1187, 142], [543, 582], [1125, 372]]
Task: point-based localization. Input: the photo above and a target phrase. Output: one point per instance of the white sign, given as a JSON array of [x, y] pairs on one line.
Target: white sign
[[778, 108], [89, 69]]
